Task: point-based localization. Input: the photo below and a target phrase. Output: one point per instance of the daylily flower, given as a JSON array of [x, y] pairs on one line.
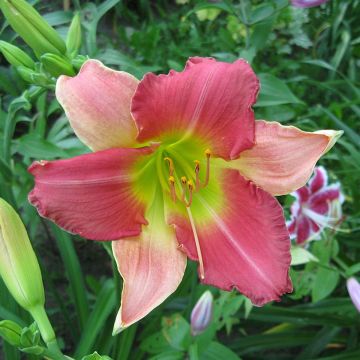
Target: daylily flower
[[179, 168], [307, 3], [317, 206]]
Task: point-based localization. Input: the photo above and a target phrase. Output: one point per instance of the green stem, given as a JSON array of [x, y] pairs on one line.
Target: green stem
[[46, 330]]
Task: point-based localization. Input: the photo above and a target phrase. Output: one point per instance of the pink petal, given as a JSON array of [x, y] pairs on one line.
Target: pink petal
[[152, 267], [284, 156], [291, 226], [97, 104], [303, 229], [319, 179], [319, 202], [307, 3], [244, 242], [353, 288], [209, 98], [302, 194], [90, 195]]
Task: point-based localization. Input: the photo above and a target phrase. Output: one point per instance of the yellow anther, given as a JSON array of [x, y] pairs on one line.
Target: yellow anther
[[171, 165], [197, 165], [191, 187], [183, 180], [208, 153], [172, 188]]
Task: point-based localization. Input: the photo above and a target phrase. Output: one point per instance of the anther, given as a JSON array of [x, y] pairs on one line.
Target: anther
[[172, 188], [191, 188], [197, 170], [207, 176], [183, 186], [171, 165]]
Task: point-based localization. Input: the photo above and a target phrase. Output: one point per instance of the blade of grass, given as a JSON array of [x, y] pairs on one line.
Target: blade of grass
[[74, 274], [104, 306]]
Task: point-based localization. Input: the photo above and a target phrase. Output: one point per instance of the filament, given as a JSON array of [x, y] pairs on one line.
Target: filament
[[197, 244]]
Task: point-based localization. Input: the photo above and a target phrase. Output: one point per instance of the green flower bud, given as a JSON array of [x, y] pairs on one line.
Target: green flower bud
[[16, 56], [57, 65], [35, 31], [32, 76], [10, 331], [19, 267], [78, 61], [73, 39]]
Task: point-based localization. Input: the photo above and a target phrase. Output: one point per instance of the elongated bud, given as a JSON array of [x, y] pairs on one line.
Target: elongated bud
[[33, 76], [16, 56], [19, 267], [57, 65], [29, 24], [11, 332], [73, 39], [202, 313], [353, 288]]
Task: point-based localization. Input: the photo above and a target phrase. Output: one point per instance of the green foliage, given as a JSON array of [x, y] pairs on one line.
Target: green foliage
[[307, 61]]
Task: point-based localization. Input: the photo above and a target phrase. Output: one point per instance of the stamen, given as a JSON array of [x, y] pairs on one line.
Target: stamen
[[197, 170], [207, 176], [172, 188], [183, 185], [197, 244], [171, 165], [191, 188]]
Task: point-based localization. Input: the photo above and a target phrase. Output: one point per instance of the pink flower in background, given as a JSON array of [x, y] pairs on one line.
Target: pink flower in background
[[202, 313], [317, 206], [353, 288], [307, 3]]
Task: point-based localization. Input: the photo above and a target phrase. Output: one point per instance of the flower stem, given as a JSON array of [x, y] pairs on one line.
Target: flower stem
[[47, 332]]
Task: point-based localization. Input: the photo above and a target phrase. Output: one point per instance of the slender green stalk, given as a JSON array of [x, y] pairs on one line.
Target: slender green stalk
[[74, 274], [127, 338]]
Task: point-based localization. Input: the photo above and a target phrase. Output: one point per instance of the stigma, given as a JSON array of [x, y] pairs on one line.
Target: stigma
[[183, 188]]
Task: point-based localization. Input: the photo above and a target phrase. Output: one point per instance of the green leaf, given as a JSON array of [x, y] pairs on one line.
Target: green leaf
[[325, 283], [105, 304], [96, 356], [299, 256], [218, 351], [274, 91], [176, 331]]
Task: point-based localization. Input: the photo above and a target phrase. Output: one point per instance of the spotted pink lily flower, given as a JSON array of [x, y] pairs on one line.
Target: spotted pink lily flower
[[307, 3], [317, 206], [180, 169]]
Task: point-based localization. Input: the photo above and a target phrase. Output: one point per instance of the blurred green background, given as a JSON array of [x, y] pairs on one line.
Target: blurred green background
[[308, 63]]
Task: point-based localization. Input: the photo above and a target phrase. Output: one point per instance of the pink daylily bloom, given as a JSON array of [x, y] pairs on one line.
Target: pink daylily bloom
[[317, 206], [307, 3], [196, 179]]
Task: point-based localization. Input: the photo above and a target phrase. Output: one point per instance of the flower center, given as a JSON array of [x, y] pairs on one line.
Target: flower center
[[182, 187]]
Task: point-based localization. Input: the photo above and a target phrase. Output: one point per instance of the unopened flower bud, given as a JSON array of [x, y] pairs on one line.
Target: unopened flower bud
[[19, 267], [32, 76], [353, 288], [73, 39], [202, 313], [29, 24], [57, 65], [10, 332], [16, 56]]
